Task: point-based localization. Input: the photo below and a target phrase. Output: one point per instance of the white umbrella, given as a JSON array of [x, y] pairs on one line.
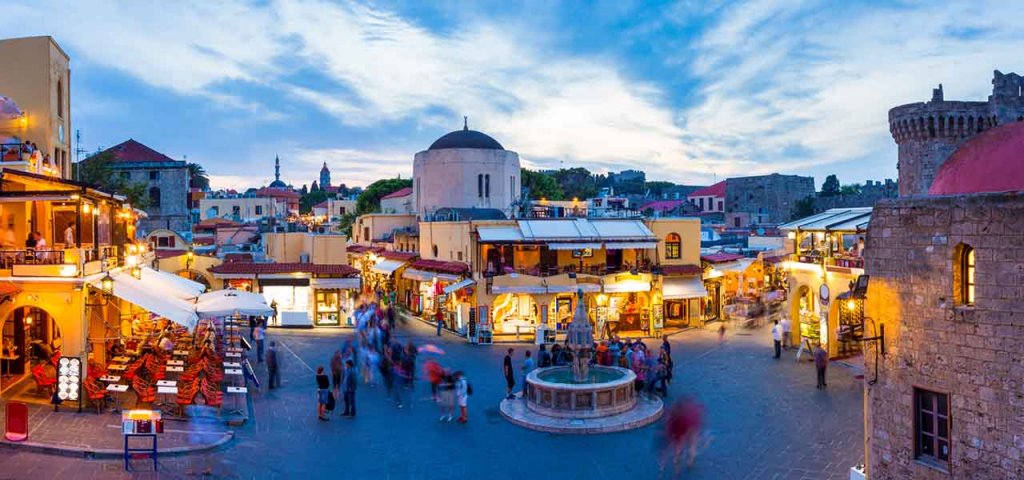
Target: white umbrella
[[9, 109], [223, 303]]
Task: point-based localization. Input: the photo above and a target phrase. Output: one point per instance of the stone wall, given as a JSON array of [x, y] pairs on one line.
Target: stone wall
[[972, 353], [870, 194], [928, 133], [764, 199]]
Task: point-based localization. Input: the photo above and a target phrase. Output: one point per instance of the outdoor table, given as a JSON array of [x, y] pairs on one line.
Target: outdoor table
[[110, 378], [171, 369], [6, 360], [176, 363], [233, 371], [121, 359], [233, 355], [234, 349], [232, 365], [115, 391], [117, 368], [237, 393], [164, 391], [181, 353], [166, 383]]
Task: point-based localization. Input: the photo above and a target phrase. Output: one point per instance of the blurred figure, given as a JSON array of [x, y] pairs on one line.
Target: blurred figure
[[721, 333], [336, 370], [350, 390], [462, 392], [446, 396], [273, 370], [821, 364], [682, 432]]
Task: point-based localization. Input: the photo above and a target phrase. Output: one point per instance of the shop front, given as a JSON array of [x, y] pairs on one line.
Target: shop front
[[682, 302], [624, 307], [31, 336], [460, 305], [562, 289], [290, 297], [334, 301]]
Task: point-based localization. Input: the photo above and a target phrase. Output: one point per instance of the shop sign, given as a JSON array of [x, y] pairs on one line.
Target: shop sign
[[582, 253], [823, 294], [69, 371]]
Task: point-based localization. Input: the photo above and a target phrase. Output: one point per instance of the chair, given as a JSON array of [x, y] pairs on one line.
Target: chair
[[95, 393], [44, 383]]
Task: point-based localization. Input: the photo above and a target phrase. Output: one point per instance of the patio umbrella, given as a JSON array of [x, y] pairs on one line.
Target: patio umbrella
[[222, 303], [9, 109], [430, 348]]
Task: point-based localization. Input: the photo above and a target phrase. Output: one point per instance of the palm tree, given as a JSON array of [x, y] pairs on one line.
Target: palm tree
[[197, 177]]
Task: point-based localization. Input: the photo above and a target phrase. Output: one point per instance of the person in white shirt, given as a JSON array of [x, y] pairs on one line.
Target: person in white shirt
[[777, 337], [8, 240], [69, 236], [786, 333], [41, 248]]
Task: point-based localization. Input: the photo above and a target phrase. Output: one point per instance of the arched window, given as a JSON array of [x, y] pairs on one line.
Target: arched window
[[487, 185], [154, 197], [673, 247], [60, 98], [480, 185], [964, 275], [434, 249]]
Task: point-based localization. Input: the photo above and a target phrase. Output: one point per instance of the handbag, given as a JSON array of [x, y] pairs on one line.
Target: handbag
[[330, 401]]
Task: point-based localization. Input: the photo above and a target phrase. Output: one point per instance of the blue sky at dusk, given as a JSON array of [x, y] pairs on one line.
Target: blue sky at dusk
[[688, 91]]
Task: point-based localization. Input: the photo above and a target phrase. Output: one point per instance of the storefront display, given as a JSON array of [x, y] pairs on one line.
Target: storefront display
[[292, 301]]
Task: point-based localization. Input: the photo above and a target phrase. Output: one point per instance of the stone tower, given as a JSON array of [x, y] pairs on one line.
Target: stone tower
[[928, 133], [325, 177]]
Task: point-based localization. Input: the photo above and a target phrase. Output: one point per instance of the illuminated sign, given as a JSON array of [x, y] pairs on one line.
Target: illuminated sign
[[69, 374]]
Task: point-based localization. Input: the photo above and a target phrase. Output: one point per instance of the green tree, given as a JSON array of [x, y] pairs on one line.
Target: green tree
[[541, 185], [197, 177], [369, 200], [577, 182], [307, 201], [851, 189], [345, 224], [98, 170], [830, 187], [803, 208], [658, 187]]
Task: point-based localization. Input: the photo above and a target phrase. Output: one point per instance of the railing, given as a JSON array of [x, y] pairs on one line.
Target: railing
[[108, 251], [9, 258], [818, 259], [552, 270], [13, 152]]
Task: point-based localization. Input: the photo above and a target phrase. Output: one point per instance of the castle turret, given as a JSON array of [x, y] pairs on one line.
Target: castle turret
[[928, 133]]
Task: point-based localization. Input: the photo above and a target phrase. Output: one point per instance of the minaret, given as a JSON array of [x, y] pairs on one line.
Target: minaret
[[277, 168]]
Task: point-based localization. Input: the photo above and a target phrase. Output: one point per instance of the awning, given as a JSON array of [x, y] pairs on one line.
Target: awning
[[574, 246], [738, 266], [130, 289], [339, 283], [565, 284], [458, 286], [223, 303], [530, 289], [683, 287], [170, 284], [627, 286], [387, 267], [425, 276], [630, 245]]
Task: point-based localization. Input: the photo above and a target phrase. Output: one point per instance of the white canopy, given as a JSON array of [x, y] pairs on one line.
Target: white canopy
[[130, 289], [222, 303], [387, 267], [170, 284], [684, 287]]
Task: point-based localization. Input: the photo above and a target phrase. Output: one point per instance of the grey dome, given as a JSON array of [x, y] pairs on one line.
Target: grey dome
[[466, 138]]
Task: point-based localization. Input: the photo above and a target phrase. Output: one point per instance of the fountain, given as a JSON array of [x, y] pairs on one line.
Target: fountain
[[581, 398]]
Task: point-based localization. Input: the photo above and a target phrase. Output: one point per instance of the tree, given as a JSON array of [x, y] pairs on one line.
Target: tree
[[851, 189], [577, 182], [314, 186], [830, 187], [304, 191], [197, 177], [98, 170], [658, 187], [369, 200], [310, 199], [541, 185], [803, 208]]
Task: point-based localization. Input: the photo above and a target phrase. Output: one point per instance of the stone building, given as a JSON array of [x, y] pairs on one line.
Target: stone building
[[764, 199], [928, 133], [325, 178], [945, 397], [166, 180], [870, 193], [465, 169]]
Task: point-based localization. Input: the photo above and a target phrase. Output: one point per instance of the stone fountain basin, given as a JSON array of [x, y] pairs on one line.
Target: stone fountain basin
[[580, 400]]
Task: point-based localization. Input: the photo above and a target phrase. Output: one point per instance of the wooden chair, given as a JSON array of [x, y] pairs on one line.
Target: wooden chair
[[44, 383], [95, 393]]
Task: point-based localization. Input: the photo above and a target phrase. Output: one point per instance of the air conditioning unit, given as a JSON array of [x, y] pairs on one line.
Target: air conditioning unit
[[304, 258]]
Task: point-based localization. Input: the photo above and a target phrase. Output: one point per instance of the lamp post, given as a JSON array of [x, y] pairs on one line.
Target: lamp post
[[190, 256]]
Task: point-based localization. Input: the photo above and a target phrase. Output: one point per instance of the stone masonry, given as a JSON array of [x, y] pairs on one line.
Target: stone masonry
[[975, 354], [764, 199], [928, 133]]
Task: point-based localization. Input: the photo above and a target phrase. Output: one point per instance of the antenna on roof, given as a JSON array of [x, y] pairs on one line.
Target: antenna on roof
[[465, 122]]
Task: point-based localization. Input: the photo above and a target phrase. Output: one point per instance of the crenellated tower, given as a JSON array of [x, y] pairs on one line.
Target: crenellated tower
[[927, 133]]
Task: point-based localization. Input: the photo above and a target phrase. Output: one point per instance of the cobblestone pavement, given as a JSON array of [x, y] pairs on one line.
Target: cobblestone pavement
[[764, 419]]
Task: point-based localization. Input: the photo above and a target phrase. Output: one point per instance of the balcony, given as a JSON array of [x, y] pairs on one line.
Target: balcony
[[553, 270], [843, 262]]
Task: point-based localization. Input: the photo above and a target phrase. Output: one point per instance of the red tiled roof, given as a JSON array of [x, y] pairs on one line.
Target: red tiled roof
[[681, 270], [8, 288], [988, 163], [169, 253], [277, 193], [663, 205], [132, 151], [456, 268], [398, 193], [716, 190], [237, 257], [271, 268], [363, 249], [776, 258], [322, 204], [403, 256], [721, 257]]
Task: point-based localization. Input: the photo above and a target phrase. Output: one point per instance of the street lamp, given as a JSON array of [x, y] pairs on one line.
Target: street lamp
[[190, 256], [136, 271], [106, 291]]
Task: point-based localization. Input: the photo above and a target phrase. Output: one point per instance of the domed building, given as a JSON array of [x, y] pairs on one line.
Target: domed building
[[944, 396], [465, 169]]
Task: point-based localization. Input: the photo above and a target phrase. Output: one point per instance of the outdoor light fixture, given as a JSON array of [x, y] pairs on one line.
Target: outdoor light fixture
[[851, 305], [190, 256], [85, 208], [136, 272], [107, 285], [23, 120]]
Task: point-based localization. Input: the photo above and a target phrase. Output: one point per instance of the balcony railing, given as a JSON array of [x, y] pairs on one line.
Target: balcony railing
[[818, 259], [9, 258], [552, 270]]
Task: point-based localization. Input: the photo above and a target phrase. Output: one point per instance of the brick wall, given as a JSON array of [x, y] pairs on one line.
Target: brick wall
[[973, 354], [771, 198]]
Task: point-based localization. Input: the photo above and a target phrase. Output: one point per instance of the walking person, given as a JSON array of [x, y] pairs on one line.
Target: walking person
[[821, 364], [323, 390], [462, 392], [259, 335], [439, 319], [787, 338], [777, 338], [446, 396], [336, 371], [273, 370], [682, 434], [349, 389], [252, 327], [510, 379]]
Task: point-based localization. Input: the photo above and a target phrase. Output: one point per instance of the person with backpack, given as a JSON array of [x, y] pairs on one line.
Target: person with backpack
[[544, 357], [462, 393]]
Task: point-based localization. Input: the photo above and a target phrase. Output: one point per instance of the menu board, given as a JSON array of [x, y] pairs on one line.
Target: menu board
[[658, 314], [135, 422]]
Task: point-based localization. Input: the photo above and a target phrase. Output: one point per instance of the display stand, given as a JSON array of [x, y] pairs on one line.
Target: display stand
[[141, 423], [485, 335], [149, 450]]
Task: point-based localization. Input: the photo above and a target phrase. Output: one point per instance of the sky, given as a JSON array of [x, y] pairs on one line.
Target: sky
[[689, 91]]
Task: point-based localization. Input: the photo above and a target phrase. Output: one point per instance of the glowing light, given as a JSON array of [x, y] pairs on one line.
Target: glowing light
[[68, 270], [851, 305], [28, 320], [23, 120], [791, 235], [107, 284], [86, 208]]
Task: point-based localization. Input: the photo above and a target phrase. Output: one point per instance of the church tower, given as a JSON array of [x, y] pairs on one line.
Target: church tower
[[325, 177]]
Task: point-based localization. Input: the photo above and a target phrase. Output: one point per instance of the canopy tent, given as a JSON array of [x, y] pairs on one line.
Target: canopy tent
[[9, 109], [459, 286], [223, 303], [179, 287], [387, 267], [132, 290]]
